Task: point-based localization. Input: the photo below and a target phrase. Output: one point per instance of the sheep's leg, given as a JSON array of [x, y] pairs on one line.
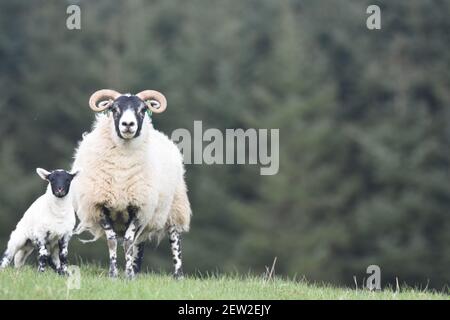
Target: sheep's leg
[[111, 239], [44, 255], [63, 245], [175, 246], [139, 256], [129, 247]]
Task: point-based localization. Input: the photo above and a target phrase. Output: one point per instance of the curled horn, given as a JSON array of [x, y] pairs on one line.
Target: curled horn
[[105, 96], [154, 100]]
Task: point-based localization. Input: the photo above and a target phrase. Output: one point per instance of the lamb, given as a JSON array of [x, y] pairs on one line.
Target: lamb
[[47, 225], [132, 188]]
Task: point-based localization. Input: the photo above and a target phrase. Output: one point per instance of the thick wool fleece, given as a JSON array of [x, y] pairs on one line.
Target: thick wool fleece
[[145, 172]]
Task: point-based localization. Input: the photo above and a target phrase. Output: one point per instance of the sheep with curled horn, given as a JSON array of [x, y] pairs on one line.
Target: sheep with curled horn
[[132, 188]]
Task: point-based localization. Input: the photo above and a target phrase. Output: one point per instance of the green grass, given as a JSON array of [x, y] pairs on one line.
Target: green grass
[[27, 283]]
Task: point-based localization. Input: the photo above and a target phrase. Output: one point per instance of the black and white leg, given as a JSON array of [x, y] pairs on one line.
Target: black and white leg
[[111, 239], [63, 245], [53, 260], [43, 254], [175, 246], [138, 256], [129, 247]]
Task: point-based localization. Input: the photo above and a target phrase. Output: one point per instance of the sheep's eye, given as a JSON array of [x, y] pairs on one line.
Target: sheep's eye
[[116, 112]]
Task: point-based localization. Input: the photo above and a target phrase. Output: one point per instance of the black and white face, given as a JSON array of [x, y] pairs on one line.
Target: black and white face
[[59, 180], [128, 113]]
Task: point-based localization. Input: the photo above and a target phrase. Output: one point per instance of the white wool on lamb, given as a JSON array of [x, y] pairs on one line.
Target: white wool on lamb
[[47, 225]]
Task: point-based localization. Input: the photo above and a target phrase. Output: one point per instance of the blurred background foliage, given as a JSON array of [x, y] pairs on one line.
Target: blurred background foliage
[[363, 115]]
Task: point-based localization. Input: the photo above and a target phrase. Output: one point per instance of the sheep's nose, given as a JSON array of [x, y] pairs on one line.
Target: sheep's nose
[[128, 124]]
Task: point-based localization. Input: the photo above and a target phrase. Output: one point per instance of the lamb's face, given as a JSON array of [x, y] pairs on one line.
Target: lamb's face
[[128, 113], [59, 180]]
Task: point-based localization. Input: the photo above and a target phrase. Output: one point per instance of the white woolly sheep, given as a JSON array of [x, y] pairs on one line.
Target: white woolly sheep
[[132, 187], [47, 225]]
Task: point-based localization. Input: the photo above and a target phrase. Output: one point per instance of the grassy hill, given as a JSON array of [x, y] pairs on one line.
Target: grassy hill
[[27, 283]]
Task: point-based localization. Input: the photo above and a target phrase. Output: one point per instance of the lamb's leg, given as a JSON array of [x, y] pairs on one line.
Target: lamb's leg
[[44, 255], [175, 246], [15, 243], [111, 238], [53, 260], [129, 247], [22, 255], [6, 259], [63, 245]]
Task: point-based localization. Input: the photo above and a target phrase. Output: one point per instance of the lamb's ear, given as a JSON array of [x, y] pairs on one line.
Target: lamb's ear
[[42, 173], [75, 172]]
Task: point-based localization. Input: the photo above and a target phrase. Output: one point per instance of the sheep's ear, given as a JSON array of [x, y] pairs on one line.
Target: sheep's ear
[[42, 173], [75, 172]]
